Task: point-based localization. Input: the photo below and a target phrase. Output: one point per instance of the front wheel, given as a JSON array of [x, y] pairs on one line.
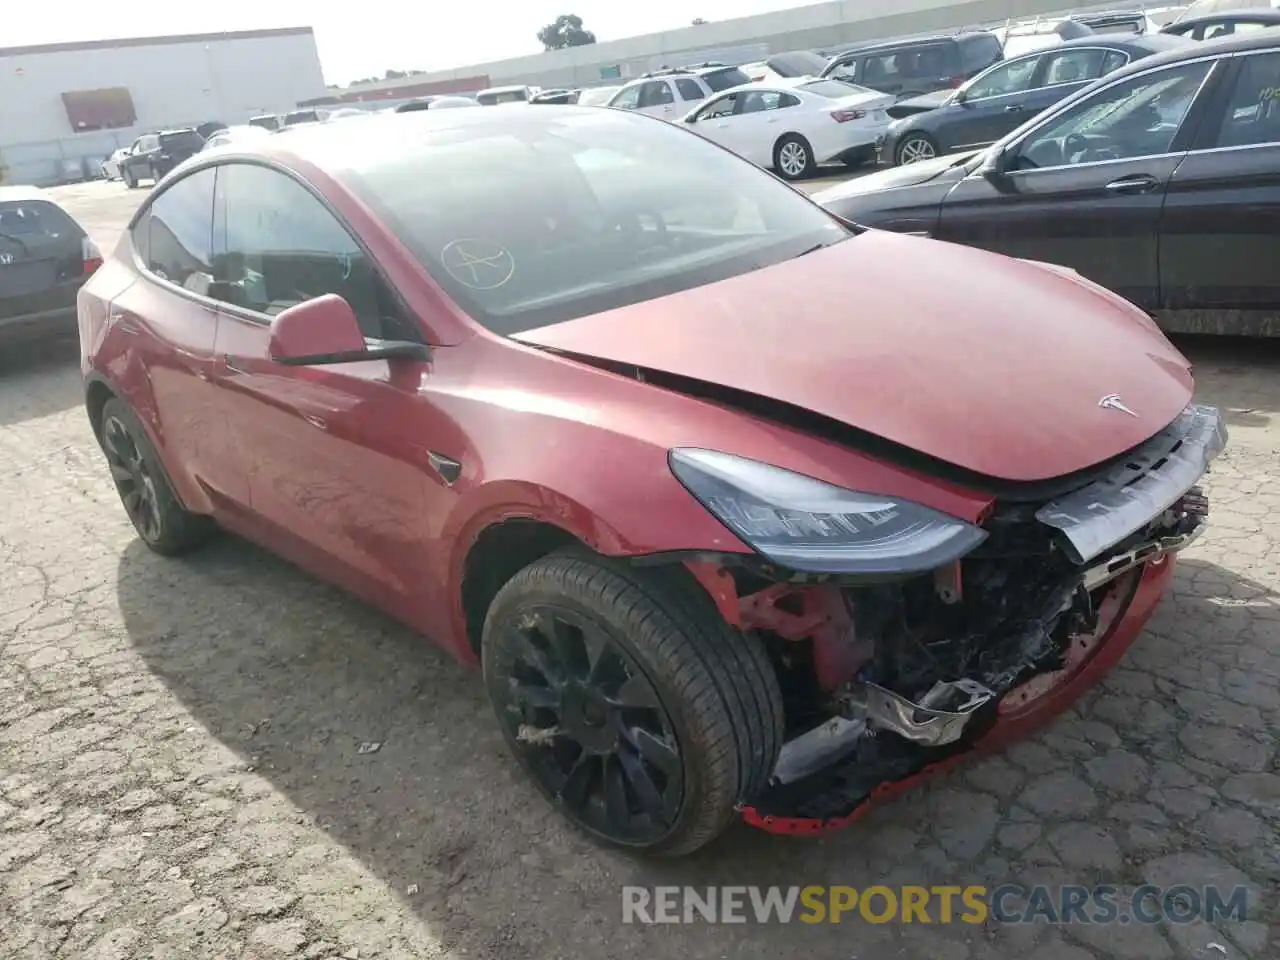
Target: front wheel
[[916, 147], [793, 157], [632, 705]]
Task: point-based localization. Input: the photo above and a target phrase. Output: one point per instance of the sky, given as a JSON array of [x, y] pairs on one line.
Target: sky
[[384, 34]]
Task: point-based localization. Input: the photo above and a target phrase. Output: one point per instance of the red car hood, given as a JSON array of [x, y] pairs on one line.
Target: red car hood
[[992, 364]]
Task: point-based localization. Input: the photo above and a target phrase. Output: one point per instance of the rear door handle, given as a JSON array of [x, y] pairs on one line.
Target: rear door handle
[[1137, 183]]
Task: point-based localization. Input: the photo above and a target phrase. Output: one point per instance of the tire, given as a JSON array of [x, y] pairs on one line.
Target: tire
[[689, 717], [793, 157], [914, 148], [162, 523]]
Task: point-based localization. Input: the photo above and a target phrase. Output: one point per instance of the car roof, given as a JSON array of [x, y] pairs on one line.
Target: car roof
[[1256, 14], [20, 194], [332, 150], [871, 45], [1187, 49], [1152, 43]]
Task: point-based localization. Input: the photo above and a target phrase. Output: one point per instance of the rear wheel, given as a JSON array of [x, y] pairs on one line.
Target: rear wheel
[[633, 706], [163, 523], [793, 157], [916, 147]]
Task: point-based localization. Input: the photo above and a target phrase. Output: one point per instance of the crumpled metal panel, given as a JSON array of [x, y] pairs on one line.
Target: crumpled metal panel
[[1149, 481]]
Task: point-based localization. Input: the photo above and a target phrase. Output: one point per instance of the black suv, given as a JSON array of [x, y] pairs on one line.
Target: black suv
[[155, 154], [910, 67]]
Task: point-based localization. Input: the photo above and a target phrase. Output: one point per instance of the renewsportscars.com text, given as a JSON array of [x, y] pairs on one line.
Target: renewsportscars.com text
[[1008, 903]]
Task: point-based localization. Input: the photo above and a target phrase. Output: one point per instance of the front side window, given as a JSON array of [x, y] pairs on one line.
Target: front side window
[[1013, 76], [881, 69], [608, 211], [628, 98], [724, 106], [278, 246], [1253, 112], [656, 93], [1136, 118], [179, 245]]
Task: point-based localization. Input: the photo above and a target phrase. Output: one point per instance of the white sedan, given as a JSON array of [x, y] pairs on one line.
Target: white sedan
[[795, 125], [111, 165]]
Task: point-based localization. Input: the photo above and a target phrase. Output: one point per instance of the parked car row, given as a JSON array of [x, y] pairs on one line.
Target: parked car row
[[1160, 181], [830, 508]]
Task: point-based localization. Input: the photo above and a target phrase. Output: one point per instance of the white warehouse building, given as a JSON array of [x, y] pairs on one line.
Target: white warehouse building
[[65, 107]]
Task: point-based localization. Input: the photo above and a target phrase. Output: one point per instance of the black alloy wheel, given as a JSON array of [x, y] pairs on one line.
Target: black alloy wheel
[[590, 725], [631, 704]]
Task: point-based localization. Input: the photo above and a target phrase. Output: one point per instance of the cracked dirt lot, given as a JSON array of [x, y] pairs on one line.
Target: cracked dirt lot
[[181, 775]]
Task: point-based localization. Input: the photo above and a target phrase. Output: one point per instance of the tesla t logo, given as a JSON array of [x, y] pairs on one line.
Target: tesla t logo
[[1112, 401], [6, 258]]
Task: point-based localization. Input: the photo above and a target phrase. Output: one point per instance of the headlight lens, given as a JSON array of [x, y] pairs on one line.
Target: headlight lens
[[808, 525]]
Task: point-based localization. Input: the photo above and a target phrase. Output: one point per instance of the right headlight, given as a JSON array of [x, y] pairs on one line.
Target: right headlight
[[811, 526]]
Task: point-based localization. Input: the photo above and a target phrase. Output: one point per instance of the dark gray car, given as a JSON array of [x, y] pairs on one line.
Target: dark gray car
[[910, 67], [1007, 95], [45, 258]]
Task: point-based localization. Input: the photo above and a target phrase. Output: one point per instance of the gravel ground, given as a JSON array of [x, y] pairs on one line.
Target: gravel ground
[[181, 772]]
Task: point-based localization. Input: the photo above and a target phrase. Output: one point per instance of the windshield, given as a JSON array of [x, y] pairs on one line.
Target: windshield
[[724, 79], [834, 89], [550, 218]]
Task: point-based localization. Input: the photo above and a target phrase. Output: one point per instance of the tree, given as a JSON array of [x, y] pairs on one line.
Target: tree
[[567, 31]]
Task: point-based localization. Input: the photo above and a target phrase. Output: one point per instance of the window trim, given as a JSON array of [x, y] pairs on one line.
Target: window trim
[[1055, 112], [262, 319]]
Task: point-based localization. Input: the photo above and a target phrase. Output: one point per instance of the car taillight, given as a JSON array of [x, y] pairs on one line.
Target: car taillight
[[844, 116], [91, 255], [955, 82]]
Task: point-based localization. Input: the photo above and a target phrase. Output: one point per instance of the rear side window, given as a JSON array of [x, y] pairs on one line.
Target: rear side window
[[1253, 113], [689, 89], [1075, 66], [724, 79], [978, 53], [186, 140], [25, 219], [179, 244]]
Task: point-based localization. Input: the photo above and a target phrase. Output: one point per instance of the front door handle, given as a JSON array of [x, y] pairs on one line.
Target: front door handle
[[1014, 108], [234, 364], [1137, 183]]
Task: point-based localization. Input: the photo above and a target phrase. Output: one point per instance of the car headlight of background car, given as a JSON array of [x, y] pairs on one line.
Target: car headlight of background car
[[811, 526]]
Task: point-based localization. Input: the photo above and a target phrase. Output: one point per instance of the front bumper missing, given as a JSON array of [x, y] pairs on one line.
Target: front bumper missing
[[843, 788], [825, 778]]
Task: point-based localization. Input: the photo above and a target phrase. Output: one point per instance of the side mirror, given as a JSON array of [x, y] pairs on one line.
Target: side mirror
[[958, 97], [324, 330], [995, 166], [691, 118]]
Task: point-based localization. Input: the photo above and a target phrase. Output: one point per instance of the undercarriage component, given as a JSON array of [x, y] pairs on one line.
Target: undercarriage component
[[1114, 567], [821, 746], [937, 719]]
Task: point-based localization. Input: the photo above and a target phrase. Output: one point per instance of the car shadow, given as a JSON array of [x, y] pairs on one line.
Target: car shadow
[[1237, 375], [39, 379], [389, 746]]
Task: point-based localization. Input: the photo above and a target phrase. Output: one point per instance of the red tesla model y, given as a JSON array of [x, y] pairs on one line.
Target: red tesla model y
[[742, 510]]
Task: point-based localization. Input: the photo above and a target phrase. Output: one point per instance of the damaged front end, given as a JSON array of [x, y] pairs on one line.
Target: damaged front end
[[887, 675]]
